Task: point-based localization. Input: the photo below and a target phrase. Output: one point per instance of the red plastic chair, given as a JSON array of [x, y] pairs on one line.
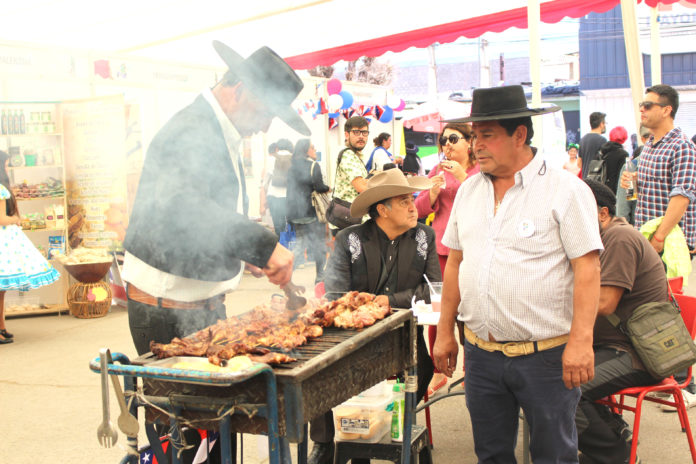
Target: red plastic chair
[[669, 385], [676, 284]]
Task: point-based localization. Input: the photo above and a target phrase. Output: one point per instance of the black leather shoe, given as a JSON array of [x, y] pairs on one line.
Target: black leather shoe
[[322, 453]]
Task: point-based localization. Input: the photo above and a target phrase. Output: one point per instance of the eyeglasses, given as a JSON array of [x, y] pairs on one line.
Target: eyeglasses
[[357, 132], [453, 138], [648, 105]]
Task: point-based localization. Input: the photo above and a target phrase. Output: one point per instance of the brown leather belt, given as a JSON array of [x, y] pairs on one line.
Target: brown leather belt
[[512, 349], [138, 295]]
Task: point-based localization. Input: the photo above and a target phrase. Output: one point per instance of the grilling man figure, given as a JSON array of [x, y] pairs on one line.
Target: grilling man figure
[[189, 235], [522, 278], [631, 275], [387, 256]]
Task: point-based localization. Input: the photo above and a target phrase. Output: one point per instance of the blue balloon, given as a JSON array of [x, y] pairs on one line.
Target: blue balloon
[[387, 115], [347, 99], [334, 115]]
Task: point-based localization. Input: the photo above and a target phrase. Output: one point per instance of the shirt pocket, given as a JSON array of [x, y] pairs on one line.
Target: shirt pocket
[[534, 235]]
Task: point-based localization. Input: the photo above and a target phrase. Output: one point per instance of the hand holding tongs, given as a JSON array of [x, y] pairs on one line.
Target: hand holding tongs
[[295, 301]]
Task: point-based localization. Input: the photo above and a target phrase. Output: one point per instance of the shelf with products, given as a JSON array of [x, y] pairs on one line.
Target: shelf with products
[[32, 136]]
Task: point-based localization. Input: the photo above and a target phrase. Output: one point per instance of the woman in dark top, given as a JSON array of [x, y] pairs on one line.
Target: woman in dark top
[[304, 177], [614, 156]]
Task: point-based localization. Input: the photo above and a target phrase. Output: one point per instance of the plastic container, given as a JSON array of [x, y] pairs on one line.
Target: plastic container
[[363, 419]]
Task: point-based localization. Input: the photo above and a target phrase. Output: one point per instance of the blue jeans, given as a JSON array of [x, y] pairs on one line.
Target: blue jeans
[[497, 386]]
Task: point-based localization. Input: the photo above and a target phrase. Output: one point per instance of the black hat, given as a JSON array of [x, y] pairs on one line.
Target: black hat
[[270, 79], [501, 103]]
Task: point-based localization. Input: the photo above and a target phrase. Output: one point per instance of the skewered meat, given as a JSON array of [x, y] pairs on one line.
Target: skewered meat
[[269, 327]]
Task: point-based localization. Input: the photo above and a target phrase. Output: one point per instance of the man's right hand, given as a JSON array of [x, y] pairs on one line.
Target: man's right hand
[[278, 269], [445, 352], [626, 178]]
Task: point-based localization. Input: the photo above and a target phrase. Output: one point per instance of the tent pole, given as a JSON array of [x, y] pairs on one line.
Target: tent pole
[[633, 58], [655, 57], [533, 20]]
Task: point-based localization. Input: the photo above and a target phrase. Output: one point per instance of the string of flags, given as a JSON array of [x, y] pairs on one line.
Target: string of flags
[[340, 103]]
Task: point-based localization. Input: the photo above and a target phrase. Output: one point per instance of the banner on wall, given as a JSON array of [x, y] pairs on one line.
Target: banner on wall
[[96, 171]]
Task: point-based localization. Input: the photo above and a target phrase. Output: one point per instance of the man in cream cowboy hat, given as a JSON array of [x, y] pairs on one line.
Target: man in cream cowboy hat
[[522, 282], [387, 256]]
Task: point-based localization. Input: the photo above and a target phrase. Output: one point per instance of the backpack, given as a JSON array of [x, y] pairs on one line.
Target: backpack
[[280, 171], [598, 169]]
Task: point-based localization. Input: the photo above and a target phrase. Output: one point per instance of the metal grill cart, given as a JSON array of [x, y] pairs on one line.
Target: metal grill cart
[[329, 370]]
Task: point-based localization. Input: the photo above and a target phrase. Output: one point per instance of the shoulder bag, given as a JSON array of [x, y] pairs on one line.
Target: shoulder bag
[[320, 201], [338, 212], [659, 336]]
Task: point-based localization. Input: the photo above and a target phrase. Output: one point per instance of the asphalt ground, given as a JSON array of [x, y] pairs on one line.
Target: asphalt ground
[[50, 402]]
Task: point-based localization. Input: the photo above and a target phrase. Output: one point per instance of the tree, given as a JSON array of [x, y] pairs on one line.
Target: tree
[[369, 70], [322, 71]]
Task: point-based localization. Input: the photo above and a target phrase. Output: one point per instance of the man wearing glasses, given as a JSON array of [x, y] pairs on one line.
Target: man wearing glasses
[[351, 173], [666, 176]]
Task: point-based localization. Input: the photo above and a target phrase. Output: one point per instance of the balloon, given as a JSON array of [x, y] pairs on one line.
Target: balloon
[[333, 86], [335, 102], [402, 105], [334, 115], [393, 101], [387, 115], [347, 99]]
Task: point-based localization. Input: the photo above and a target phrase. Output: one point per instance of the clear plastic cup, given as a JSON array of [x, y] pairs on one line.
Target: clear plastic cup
[[436, 296]]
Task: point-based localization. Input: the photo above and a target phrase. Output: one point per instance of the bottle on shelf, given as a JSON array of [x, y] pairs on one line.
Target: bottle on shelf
[[22, 122], [5, 128]]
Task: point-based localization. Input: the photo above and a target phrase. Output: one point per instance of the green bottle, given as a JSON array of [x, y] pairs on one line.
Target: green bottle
[[397, 424]]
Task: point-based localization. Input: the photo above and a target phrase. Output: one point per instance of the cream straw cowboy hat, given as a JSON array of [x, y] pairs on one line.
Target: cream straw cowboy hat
[[387, 184]]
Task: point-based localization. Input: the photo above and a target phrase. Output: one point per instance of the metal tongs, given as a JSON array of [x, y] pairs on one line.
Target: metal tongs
[[295, 300]]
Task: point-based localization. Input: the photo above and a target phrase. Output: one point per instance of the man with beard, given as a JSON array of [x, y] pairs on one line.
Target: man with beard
[[351, 174], [388, 256], [522, 283], [591, 142]]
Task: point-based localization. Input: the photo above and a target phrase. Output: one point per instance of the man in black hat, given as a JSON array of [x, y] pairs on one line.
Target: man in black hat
[[522, 281], [189, 236]]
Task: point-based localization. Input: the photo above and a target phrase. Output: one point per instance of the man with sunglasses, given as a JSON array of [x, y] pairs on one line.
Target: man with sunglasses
[[351, 174], [666, 176]]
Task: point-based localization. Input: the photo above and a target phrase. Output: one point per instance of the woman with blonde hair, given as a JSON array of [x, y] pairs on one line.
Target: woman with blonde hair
[[458, 164]]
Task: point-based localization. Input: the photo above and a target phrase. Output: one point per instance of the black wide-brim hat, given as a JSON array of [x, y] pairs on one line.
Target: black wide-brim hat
[[270, 79], [501, 103]]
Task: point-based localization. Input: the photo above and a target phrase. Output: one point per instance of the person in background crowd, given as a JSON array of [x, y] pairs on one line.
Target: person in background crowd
[[627, 208], [632, 274], [412, 164], [591, 142], [380, 154], [573, 163], [388, 255], [522, 278], [277, 188], [459, 164], [614, 156], [22, 267], [666, 176], [351, 175], [304, 178], [266, 179]]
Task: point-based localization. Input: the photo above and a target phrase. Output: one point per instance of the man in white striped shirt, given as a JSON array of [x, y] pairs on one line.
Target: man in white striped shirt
[[522, 281]]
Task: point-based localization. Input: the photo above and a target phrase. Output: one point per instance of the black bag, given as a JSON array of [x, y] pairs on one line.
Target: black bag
[[338, 212], [280, 170], [660, 337], [598, 169]]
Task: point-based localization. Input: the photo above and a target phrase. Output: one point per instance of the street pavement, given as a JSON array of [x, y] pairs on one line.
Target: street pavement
[[50, 403]]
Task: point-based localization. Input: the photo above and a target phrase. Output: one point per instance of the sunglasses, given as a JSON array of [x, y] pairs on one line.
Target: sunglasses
[[453, 138], [648, 105], [357, 132]]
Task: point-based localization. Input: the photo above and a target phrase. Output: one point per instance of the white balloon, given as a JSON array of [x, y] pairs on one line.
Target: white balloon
[[393, 101], [335, 102]]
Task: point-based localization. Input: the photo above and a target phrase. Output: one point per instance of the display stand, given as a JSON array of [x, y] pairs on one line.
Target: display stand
[[31, 134]]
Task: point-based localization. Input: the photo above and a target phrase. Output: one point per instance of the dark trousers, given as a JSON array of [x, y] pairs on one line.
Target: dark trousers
[[322, 428], [150, 323], [276, 206], [602, 435], [498, 386], [311, 237]]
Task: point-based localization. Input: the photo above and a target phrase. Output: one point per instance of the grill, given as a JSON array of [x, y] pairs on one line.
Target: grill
[[329, 370]]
